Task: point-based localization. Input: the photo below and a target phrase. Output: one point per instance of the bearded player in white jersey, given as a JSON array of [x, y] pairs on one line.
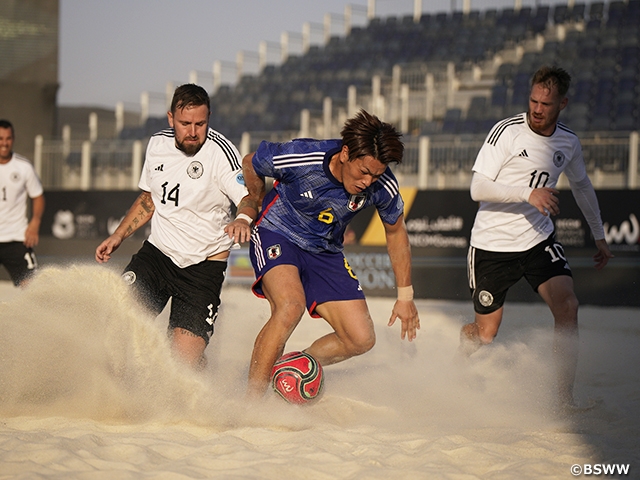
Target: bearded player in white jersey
[[191, 177], [514, 179]]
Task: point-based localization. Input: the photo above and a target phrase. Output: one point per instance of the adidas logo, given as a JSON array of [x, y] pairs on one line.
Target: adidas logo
[[523, 154], [160, 168], [307, 194]]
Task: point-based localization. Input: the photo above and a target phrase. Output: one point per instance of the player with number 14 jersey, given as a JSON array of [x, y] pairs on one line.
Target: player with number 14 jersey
[[189, 212]]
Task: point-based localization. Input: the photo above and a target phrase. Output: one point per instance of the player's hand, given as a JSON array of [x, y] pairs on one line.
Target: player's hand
[[239, 230], [407, 312], [31, 237], [604, 254], [106, 248], [546, 200]]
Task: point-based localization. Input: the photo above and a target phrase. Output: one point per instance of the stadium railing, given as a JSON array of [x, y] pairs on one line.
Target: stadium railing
[[430, 162]]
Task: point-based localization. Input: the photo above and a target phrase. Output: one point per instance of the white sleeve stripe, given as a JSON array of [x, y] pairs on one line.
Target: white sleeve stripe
[[299, 155], [299, 164], [389, 190], [389, 185], [281, 161]]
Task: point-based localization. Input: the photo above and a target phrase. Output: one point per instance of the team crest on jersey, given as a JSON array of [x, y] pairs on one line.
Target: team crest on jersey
[[15, 177], [274, 251], [129, 277], [356, 201], [195, 169], [558, 158], [485, 298]]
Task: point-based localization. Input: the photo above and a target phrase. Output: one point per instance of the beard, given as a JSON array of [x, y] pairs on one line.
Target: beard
[[546, 123], [189, 149]]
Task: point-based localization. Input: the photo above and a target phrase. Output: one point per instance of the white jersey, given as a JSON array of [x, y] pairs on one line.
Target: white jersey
[[515, 155], [192, 196], [17, 180]]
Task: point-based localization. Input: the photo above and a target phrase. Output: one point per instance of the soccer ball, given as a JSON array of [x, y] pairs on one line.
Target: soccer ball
[[297, 377]]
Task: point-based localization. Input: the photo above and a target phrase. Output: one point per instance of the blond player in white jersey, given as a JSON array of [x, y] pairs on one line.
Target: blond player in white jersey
[[18, 234], [514, 179], [191, 177]]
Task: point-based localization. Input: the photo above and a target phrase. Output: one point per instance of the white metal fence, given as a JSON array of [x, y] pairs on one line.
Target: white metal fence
[[86, 165], [438, 162]]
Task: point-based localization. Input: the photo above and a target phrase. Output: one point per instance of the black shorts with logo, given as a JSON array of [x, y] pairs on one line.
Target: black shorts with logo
[[491, 274], [19, 261], [194, 290]]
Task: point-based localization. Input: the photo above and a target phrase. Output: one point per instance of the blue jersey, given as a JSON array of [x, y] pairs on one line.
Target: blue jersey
[[307, 204]]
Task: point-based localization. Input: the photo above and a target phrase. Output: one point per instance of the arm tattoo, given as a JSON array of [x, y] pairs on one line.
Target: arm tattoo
[[146, 203], [248, 203]]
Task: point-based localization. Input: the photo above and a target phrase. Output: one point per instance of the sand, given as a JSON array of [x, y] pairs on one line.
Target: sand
[[89, 390]]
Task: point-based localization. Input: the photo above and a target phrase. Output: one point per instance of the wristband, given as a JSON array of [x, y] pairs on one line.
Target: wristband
[[244, 216], [405, 293]]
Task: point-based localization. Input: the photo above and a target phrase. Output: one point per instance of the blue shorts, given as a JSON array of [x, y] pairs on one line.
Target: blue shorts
[[325, 277]]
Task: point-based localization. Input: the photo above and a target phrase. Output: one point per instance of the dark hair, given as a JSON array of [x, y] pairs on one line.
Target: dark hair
[[550, 76], [189, 95], [366, 134], [6, 124]]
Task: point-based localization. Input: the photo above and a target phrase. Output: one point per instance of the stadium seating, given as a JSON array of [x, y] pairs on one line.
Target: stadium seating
[[599, 46]]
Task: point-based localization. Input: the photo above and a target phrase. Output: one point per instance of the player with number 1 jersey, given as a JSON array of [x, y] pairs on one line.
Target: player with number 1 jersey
[[18, 234]]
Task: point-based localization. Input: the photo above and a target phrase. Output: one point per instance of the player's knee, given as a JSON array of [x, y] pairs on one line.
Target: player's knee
[[361, 342], [566, 311], [572, 305], [290, 312], [189, 346]]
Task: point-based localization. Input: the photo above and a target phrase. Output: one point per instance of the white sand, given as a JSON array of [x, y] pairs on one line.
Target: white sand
[[88, 390]]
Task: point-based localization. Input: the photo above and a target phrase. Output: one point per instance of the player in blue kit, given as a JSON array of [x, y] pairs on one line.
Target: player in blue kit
[[296, 245]]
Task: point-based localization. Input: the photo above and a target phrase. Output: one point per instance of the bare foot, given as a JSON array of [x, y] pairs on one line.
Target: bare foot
[[469, 340]]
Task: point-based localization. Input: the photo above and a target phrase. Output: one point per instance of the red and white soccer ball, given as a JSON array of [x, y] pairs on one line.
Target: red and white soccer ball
[[297, 377]]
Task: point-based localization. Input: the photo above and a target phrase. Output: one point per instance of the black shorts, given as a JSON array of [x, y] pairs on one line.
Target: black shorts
[[194, 290], [19, 261], [491, 274]]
